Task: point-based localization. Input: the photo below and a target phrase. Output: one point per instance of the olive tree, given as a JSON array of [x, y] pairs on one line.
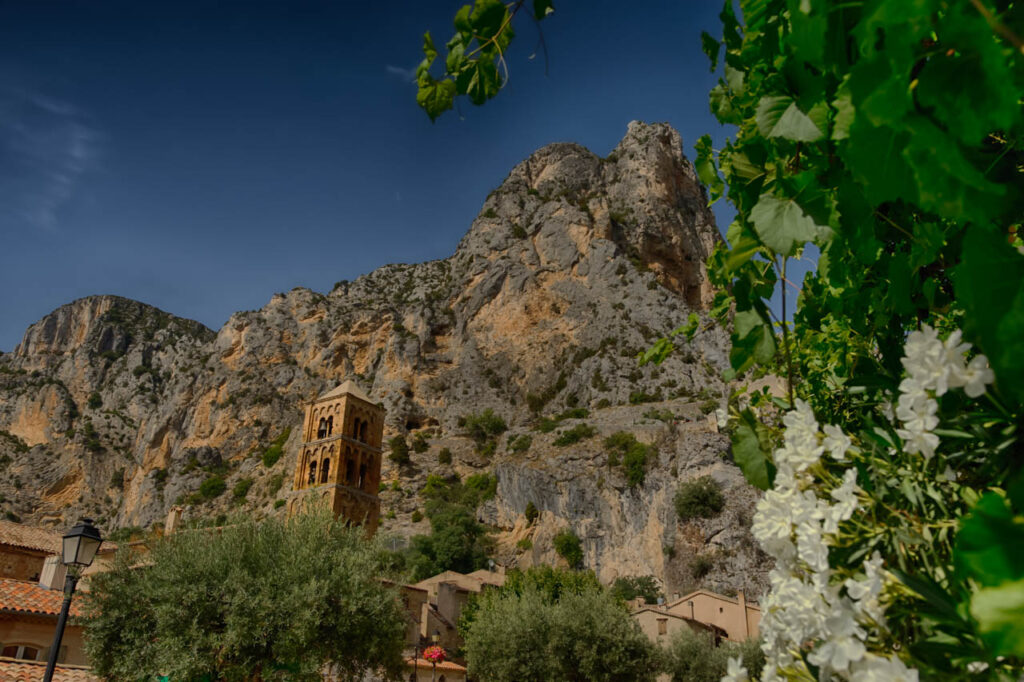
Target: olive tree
[[271, 600], [583, 635]]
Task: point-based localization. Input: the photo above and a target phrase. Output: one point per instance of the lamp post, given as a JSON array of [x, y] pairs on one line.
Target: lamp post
[[437, 653], [79, 548]]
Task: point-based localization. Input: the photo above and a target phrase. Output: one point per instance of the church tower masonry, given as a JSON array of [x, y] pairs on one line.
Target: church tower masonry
[[339, 461]]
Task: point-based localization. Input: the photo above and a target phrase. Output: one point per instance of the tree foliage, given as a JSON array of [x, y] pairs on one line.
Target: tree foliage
[[567, 545], [275, 600], [628, 588], [691, 656], [584, 634]]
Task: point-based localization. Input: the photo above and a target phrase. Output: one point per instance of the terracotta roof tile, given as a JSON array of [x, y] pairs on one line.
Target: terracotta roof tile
[[14, 670], [25, 597], [29, 537], [423, 664], [39, 539]]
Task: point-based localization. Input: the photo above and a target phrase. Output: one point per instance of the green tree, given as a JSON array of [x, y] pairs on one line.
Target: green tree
[[527, 636], [399, 450], [271, 600], [628, 588], [693, 656], [457, 541], [700, 498], [568, 546]]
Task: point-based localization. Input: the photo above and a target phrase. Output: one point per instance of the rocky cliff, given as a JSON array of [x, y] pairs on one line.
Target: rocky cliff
[[574, 265]]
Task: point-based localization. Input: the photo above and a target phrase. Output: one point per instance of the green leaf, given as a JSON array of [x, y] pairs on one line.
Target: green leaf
[[845, 113], [750, 451], [710, 47], [989, 283], [542, 8], [487, 18], [990, 544], [1000, 615], [705, 166], [780, 117], [435, 96], [429, 50], [462, 24], [479, 80], [782, 225], [752, 340]]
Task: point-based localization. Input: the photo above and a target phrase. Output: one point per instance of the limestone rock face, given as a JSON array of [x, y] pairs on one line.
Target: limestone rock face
[[574, 265]]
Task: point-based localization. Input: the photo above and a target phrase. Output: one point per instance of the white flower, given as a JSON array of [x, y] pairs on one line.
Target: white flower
[[836, 442], [811, 547], [976, 376], [735, 672], [882, 669]]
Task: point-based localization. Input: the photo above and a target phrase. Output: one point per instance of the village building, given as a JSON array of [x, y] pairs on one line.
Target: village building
[[339, 461], [660, 625], [732, 618], [31, 595]]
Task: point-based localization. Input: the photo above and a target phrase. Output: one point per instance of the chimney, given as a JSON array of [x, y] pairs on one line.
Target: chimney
[[743, 611], [52, 575], [675, 596], [173, 520]]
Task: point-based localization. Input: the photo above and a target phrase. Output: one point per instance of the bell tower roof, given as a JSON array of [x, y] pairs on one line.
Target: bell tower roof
[[347, 387]]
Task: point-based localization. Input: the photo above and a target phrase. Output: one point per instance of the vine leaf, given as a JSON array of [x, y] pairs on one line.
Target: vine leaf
[[779, 116], [750, 451], [752, 340], [989, 283], [705, 167], [782, 225]]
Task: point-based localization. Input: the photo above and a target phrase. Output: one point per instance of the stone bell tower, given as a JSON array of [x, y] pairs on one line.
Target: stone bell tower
[[339, 463]]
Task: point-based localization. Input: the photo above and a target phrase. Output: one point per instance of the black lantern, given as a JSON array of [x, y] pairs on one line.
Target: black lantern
[[81, 544], [79, 549]]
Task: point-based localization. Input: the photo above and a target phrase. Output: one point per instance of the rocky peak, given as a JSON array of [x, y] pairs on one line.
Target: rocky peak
[[574, 265], [102, 325], [644, 198]]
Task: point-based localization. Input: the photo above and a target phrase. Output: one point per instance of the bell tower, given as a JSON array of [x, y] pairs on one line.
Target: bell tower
[[339, 461]]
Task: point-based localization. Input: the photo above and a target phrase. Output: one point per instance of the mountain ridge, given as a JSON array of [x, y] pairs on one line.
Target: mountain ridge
[[573, 266]]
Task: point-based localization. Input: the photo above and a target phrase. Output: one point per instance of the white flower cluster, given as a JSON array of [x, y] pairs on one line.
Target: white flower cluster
[[934, 366], [809, 611]]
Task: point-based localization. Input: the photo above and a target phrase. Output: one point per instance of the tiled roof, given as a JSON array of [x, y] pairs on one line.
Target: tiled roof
[[39, 539], [24, 597], [424, 664], [14, 670], [29, 537], [351, 388]]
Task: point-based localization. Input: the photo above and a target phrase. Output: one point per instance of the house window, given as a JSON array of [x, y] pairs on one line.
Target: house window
[[663, 626], [22, 651]]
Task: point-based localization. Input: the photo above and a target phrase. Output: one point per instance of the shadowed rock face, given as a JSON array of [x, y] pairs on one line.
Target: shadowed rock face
[[574, 265]]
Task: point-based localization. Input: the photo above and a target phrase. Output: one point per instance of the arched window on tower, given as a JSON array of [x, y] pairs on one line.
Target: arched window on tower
[[321, 429], [350, 472], [330, 425], [362, 432], [362, 476], [312, 473], [355, 428], [325, 468]]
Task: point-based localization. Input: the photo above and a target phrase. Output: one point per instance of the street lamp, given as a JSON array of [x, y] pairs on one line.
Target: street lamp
[[79, 548], [434, 654]]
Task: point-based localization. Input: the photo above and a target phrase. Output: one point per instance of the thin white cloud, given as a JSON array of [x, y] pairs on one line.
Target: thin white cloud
[[407, 75], [46, 147]]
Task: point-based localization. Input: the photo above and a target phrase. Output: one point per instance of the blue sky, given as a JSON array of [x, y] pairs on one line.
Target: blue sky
[[201, 156]]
